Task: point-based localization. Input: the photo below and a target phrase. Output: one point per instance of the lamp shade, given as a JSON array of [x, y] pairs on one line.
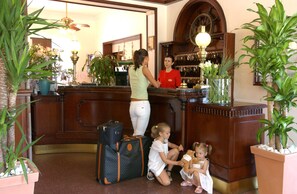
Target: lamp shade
[[203, 38]]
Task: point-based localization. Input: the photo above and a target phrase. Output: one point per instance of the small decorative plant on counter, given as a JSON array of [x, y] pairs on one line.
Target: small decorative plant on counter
[[219, 81], [47, 59], [102, 68]]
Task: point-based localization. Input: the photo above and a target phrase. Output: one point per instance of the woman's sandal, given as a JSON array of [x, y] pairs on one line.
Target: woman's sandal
[[198, 189], [169, 174], [186, 184]]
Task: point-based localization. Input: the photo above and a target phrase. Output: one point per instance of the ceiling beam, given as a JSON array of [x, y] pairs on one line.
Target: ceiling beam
[[161, 1]]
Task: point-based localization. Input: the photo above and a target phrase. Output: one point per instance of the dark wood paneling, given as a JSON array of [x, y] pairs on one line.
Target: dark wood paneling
[[161, 1], [47, 121], [42, 41], [231, 130], [166, 109], [73, 117]]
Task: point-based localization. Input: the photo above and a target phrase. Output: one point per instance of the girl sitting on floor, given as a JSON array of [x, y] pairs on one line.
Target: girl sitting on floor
[[198, 173], [159, 155]]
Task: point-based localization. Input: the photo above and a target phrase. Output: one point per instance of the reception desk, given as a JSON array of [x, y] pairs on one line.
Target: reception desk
[[72, 117]]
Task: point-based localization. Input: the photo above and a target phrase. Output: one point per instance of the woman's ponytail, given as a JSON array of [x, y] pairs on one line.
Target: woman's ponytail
[[138, 57]]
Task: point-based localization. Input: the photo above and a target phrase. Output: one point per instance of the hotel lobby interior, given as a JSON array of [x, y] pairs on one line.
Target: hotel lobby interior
[[67, 117]]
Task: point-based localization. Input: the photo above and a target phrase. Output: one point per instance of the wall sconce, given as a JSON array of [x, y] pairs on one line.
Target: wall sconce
[[202, 40], [74, 58]]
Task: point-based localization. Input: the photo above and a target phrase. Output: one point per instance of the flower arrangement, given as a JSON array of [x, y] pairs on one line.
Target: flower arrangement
[[47, 57], [218, 79], [219, 71]]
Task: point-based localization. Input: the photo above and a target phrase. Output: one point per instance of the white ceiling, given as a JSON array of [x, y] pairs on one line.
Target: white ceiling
[[76, 8], [61, 7]]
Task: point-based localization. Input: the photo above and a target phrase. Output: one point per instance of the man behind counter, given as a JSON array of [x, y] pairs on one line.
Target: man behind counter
[[169, 78]]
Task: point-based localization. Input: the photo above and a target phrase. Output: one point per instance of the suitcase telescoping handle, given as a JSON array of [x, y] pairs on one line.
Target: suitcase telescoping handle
[[103, 126]]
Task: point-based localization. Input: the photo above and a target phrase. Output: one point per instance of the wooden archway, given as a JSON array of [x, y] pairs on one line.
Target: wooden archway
[[193, 9]]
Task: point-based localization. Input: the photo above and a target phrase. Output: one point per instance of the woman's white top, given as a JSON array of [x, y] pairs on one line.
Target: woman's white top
[[155, 163]]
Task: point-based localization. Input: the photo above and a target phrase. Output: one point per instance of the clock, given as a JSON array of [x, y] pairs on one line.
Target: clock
[[203, 19]]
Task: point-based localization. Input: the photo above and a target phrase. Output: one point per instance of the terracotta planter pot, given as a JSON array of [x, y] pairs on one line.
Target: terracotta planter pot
[[276, 173], [17, 184]]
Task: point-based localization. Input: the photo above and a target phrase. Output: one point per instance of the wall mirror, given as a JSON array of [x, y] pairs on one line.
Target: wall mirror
[[107, 21]]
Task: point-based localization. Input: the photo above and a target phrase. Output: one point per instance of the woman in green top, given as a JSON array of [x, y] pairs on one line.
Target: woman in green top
[[140, 77]]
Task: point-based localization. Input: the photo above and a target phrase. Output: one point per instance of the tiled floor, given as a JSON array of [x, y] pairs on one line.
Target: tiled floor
[[74, 173]]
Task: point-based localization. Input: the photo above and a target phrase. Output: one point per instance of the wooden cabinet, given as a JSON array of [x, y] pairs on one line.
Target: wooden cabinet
[[193, 15], [231, 130], [47, 118], [187, 61]]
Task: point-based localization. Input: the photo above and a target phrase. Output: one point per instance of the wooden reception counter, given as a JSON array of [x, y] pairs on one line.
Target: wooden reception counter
[[72, 116]]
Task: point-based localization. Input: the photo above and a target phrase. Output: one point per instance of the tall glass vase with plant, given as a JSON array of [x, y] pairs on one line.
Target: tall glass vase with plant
[[218, 79], [15, 26]]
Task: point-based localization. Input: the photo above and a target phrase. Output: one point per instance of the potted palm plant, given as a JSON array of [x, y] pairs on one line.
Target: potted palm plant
[[15, 26], [102, 69], [20, 173], [274, 34]]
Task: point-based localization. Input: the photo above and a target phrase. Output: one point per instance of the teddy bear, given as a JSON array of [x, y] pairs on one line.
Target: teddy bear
[[187, 159]]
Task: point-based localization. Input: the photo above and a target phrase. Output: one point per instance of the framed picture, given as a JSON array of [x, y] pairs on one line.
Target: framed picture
[[151, 43]]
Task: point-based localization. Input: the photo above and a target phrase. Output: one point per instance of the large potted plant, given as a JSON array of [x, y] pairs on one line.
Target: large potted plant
[[15, 26], [274, 35], [20, 172], [102, 69]]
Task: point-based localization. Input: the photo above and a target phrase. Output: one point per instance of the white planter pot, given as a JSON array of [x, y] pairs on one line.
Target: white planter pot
[[18, 185]]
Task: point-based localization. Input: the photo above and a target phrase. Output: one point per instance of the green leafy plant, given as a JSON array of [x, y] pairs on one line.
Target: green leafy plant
[[14, 155], [273, 34], [102, 68], [15, 26]]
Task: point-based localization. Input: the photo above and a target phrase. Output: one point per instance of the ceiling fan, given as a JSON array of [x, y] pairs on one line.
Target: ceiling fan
[[69, 23]]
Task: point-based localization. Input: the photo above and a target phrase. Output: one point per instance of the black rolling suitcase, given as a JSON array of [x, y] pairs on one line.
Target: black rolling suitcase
[[127, 160], [110, 132]]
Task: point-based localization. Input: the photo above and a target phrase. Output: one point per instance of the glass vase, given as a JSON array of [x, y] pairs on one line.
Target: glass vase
[[219, 90]]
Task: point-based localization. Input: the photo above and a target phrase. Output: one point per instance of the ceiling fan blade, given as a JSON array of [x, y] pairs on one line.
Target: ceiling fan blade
[[74, 27], [82, 25], [68, 22]]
